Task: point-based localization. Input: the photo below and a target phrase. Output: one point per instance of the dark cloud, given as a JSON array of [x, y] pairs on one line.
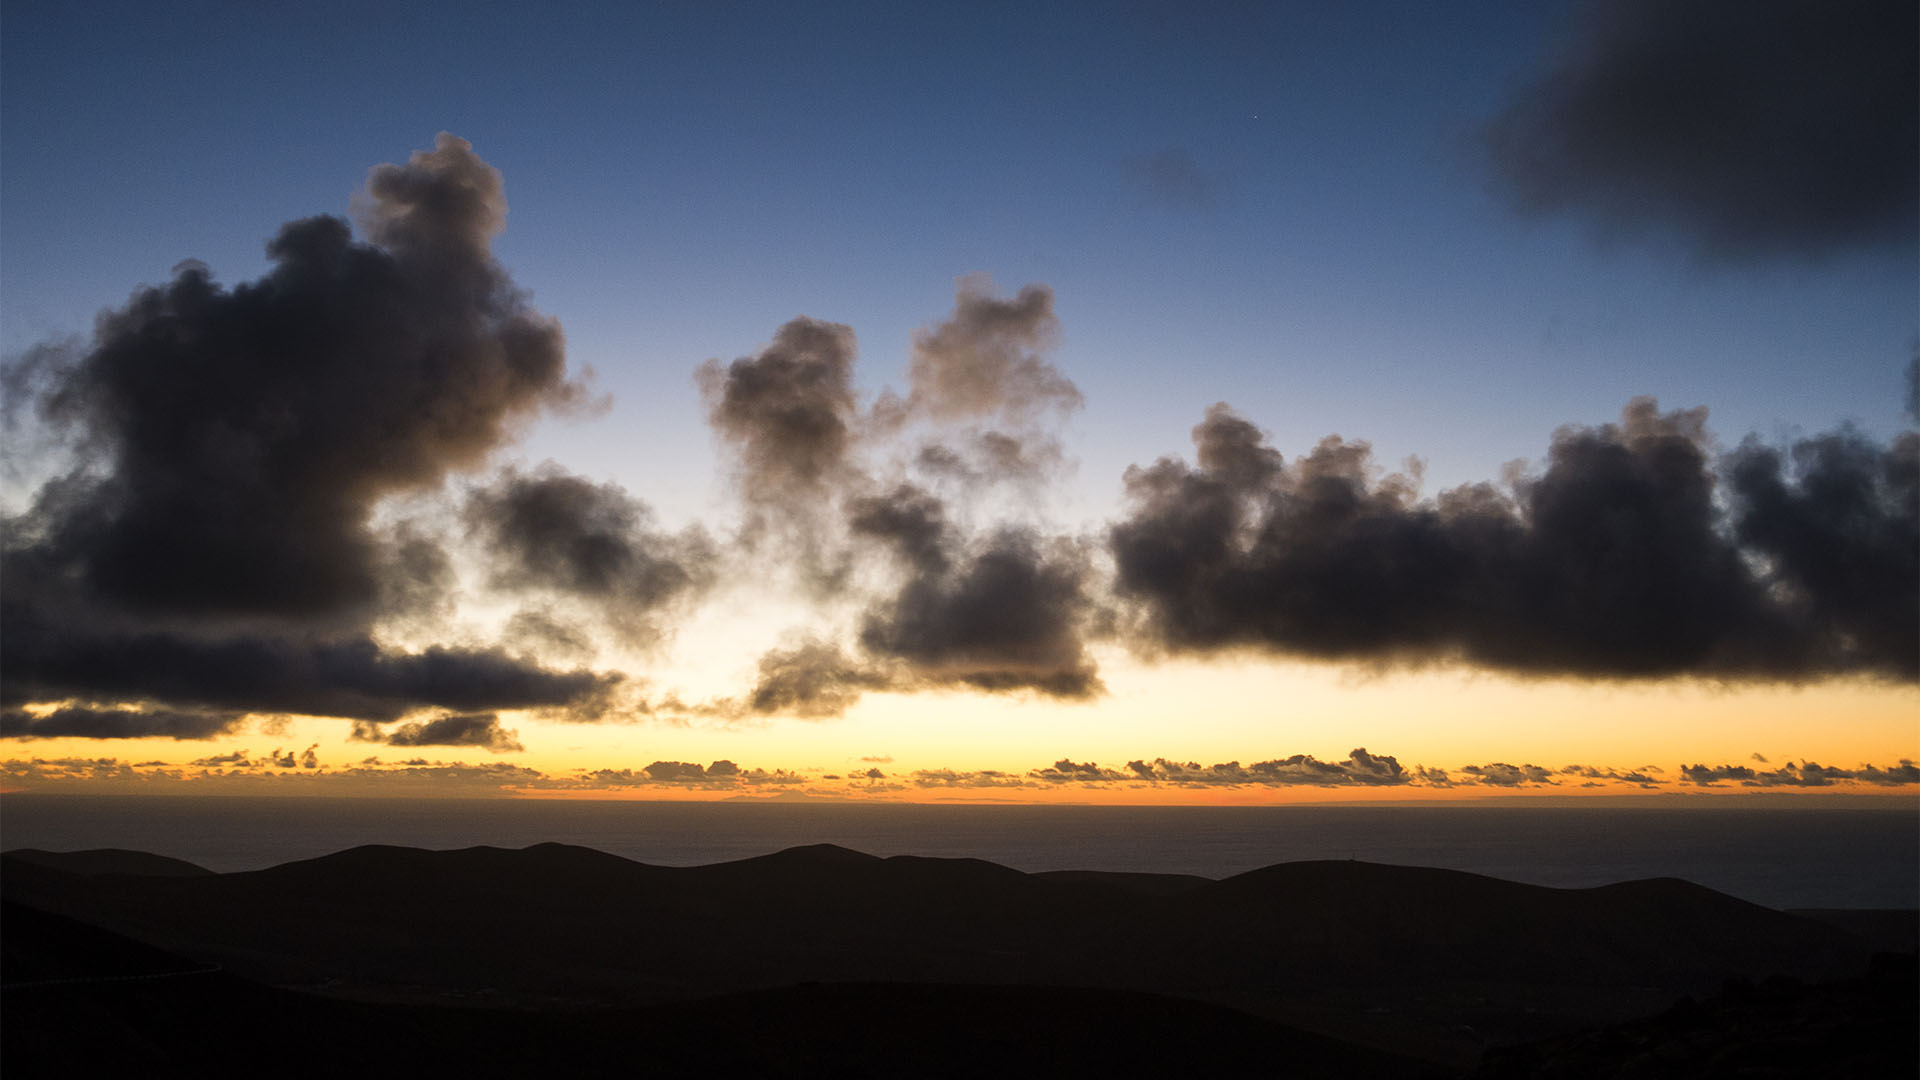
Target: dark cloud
[[216, 544], [1803, 774], [563, 534], [1067, 770], [248, 433], [350, 677], [814, 679], [538, 629], [789, 413], [1618, 561], [675, 771], [476, 729], [1359, 769], [80, 722], [1641, 776], [1172, 178], [1834, 519], [1758, 129], [950, 778], [1501, 774], [1904, 773], [721, 775], [1001, 613], [1000, 609]]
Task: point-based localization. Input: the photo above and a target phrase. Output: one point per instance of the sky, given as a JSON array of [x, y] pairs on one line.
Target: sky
[[1128, 402]]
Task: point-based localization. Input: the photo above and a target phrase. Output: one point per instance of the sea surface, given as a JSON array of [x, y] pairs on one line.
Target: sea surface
[[1783, 858]]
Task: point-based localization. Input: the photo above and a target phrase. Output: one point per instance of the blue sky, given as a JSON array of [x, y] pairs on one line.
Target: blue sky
[[1294, 208], [1320, 248]]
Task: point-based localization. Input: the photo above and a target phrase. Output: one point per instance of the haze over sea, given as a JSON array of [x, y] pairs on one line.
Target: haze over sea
[[1783, 857]]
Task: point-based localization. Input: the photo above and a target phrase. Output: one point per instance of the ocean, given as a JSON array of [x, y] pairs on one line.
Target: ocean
[[1779, 857]]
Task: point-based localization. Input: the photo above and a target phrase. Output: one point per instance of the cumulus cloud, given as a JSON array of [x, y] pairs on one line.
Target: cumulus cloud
[[788, 414], [721, 775], [1067, 770], [1359, 769], [215, 544], [1802, 774], [566, 536], [476, 729], [1643, 776], [1620, 560], [951, 778], [814, 679], [1000, 608], [1003, 612], [988, 359], [1835, 520], [1763, 129], [1501, 774], [247, 434]]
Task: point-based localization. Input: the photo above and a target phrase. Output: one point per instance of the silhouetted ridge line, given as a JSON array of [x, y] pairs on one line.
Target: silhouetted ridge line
[[1436, 962], [109, 861]]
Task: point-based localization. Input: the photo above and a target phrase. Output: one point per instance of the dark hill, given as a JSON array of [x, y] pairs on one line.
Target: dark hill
[[109, 861], [1355, 922], [1431, 961], [41, 947], [1779, 1029]]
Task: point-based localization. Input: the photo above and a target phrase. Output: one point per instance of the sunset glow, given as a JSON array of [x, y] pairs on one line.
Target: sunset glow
[[1333, 409]]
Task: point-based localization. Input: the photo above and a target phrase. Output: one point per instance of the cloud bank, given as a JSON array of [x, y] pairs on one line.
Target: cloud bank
[[1635, 554]]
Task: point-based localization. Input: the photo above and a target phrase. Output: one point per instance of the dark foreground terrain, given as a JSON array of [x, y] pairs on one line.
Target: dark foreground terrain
[[824, 961]]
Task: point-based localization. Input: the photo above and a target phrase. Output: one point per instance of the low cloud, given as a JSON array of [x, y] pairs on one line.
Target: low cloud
[[559, 534], [1001, 613], [1803, 774], [482, 730], [1645, 776], [720, 775], [951, 778], [350, 677], [814, 679], [1359, 769], [80, 722], [1501, 774], [1634, 555]]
